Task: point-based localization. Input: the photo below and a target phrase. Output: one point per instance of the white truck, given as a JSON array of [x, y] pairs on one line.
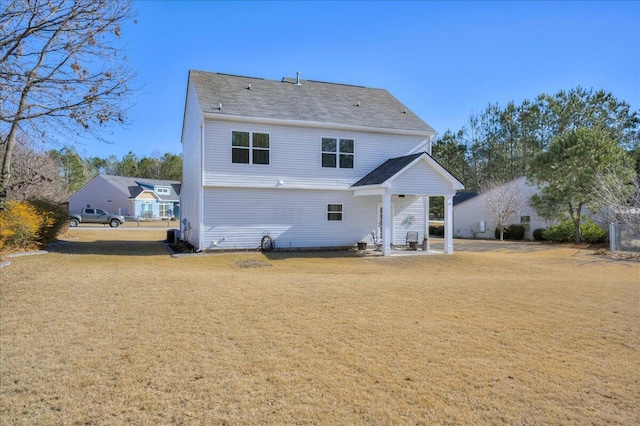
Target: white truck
[[95, 216]]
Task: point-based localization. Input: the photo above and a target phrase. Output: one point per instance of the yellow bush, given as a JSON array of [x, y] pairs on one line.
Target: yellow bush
[[20, 224]]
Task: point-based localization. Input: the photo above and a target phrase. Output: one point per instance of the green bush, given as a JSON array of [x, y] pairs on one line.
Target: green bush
[[436, 230], [57, 217], [516, 232], [563, 232], [538, 234], [592, 233]]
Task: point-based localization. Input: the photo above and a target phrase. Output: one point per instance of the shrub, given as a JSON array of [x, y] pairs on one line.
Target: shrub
[[20, 223], [516, 232], [56, 219], [436, 230], [563, 232], [538, 234], [592, 233]]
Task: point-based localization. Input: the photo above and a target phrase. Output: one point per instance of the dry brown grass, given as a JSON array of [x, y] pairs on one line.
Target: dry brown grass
[[117, 332]]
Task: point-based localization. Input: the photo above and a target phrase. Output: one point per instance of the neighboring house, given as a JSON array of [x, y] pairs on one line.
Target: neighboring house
[[129, 197], [310, 164], [470, 220]]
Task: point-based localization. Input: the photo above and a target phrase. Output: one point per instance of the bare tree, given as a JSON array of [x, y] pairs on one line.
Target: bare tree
[[35, 174], [502, 202], [62, 70], [617, 200]]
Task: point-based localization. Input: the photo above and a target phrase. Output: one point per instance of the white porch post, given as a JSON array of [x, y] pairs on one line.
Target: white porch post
[[386, 224], [425, 202], [448, 225]]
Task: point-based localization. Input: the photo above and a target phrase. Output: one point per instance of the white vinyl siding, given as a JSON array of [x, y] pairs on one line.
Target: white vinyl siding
[[294, 156], [191, 171], [408, 215], [421, 179], [249, 214]]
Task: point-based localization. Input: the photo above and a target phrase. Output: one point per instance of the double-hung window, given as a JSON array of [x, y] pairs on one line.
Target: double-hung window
[[249, 147], [334, 211], [337, 153]]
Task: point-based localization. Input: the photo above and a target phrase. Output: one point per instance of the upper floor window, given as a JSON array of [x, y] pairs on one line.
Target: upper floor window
[[162, 190], [249, 147], [337, 153]]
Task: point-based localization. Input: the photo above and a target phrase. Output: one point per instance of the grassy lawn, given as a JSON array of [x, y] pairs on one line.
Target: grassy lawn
[[111, 330]]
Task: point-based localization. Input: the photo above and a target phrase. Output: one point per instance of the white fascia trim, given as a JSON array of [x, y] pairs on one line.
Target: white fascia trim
[[363, 191], [282, 188], [316, 124]]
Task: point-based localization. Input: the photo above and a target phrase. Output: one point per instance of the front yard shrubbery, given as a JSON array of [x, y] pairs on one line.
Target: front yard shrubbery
[[538, 234], [28, 224], [563, 232]]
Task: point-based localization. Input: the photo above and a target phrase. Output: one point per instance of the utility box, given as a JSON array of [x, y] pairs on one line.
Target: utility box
[[172, 236]]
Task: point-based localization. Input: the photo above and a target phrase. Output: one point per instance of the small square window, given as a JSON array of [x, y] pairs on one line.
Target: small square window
[[334, 212]]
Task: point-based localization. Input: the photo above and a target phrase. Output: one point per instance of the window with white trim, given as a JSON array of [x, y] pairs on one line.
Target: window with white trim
[[249, 147], [334, 211], [337, 153], [163, 209], [162, 190]]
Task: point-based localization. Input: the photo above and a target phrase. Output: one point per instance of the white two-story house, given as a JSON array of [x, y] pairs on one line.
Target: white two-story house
[[309, 164]]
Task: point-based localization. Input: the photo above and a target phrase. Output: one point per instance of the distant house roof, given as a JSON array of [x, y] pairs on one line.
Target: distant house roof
[[309, 101], [132, 187], [387, 170], [463, 196]]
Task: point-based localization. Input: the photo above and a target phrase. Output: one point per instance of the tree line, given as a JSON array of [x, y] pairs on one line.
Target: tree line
[[500, 143], [56, 174], [567, 144]]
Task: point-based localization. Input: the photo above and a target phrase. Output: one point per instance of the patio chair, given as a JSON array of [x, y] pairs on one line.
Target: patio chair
[[377, 244], [412, 240]]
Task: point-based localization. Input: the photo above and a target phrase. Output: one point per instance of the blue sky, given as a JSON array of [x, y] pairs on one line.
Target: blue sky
[[444, 60]]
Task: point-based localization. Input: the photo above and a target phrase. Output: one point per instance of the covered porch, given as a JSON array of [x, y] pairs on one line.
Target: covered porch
[[414, 177]]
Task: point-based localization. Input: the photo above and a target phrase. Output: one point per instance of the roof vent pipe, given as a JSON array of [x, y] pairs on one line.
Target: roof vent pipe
[[298, 78]]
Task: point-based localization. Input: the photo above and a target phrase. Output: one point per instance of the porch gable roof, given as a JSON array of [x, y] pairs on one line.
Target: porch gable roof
[[386, 170], [394, 167]]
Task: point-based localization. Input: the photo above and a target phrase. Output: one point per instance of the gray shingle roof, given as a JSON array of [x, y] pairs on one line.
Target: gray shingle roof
[[312, 101], [461, 197], [387, 170], [131, 186]]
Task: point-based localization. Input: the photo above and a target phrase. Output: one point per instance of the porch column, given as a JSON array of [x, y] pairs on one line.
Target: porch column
[[386, 224], [448, 225], [425, 202]]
